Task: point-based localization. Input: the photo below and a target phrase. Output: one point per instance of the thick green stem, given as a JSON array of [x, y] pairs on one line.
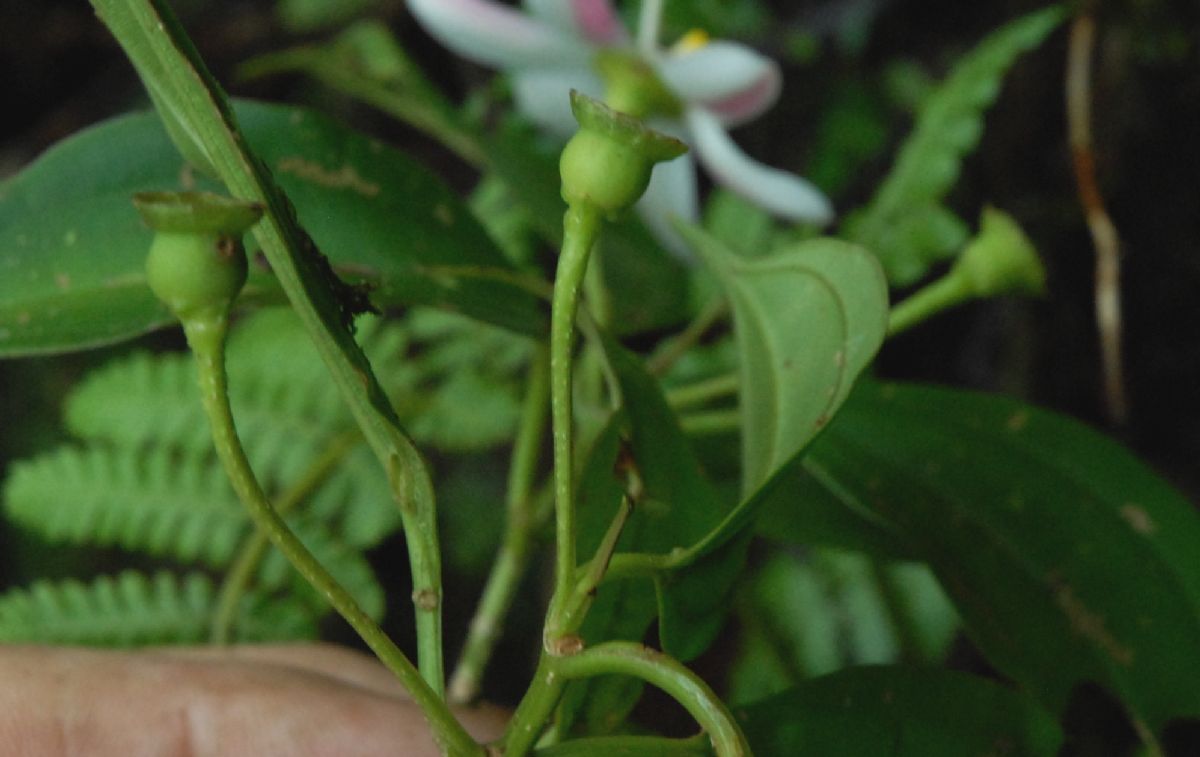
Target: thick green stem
[[255, 546], [668, 674], [580, 227], [199, 119], [513, 556], [206, 337], [928, 301]]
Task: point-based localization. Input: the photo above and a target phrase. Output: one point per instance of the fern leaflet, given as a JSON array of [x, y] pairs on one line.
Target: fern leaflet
[[905, 223], [132, 609]]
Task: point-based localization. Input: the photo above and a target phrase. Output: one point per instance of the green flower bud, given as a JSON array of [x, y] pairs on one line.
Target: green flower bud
[[608, 161], [196, 264], [1000, 259]]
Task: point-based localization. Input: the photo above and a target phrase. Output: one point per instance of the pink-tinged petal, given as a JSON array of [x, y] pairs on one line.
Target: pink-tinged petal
[[593, 20], [780, 192], [726, 77], [497, 35], [543, 95], [672, 195]]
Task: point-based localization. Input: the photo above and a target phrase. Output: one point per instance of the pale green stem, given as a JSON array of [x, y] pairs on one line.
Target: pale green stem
[[206, 337], [928, 301], [200, 120], [716, 422], [513, 556], [580, 227], [671, 350], [703, 391], [255, 545], [649, 26], [668, 674]]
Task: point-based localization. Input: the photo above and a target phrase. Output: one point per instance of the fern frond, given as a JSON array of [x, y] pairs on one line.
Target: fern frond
[[905, 223], [132, 609], [167, 504]]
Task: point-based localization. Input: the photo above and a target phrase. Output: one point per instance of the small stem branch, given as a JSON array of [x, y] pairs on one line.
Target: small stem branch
[[255, 546], [207, 340], [703, 391], [1104, 234], [931, 299], [580, 227], [514, 551], [668, 674], [716, 422], [649, 25], [670, 351]]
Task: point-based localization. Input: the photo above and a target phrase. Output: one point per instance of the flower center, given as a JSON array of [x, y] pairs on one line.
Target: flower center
[[691, 42]]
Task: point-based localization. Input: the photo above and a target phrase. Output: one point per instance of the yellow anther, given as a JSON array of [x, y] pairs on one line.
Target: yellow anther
[[690, 42]]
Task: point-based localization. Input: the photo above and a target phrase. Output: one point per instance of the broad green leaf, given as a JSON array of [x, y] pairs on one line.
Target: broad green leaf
[[72, 248], [1068, 560], [800, 506], [808, 318], [905, 223], [898, 712]]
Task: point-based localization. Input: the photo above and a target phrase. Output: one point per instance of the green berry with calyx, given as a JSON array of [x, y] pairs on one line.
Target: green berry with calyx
[[196, 264], [608, 162], [1000, 260]]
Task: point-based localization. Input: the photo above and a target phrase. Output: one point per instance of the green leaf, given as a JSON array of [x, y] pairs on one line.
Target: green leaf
[[1068, 560], [808, 318], [680, 507], [72, 249], [898, 712], [905, 223], [132, 609]]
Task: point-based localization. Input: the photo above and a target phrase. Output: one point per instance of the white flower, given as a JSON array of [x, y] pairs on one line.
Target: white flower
[[552, 47]]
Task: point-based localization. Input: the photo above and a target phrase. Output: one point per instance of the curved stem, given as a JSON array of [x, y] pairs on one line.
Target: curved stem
[[630, 746], [580, 227], [206, 337], [513, 556], [928, 301], [200, 119], [668, 674], [255, 545]]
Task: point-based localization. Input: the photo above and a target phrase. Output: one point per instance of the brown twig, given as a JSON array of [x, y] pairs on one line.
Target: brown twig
[[1104, 234]]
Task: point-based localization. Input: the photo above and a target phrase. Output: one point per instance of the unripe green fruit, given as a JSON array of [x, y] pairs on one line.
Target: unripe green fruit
[[196, 264], [598, 169], [196, 274], [608, 162]]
